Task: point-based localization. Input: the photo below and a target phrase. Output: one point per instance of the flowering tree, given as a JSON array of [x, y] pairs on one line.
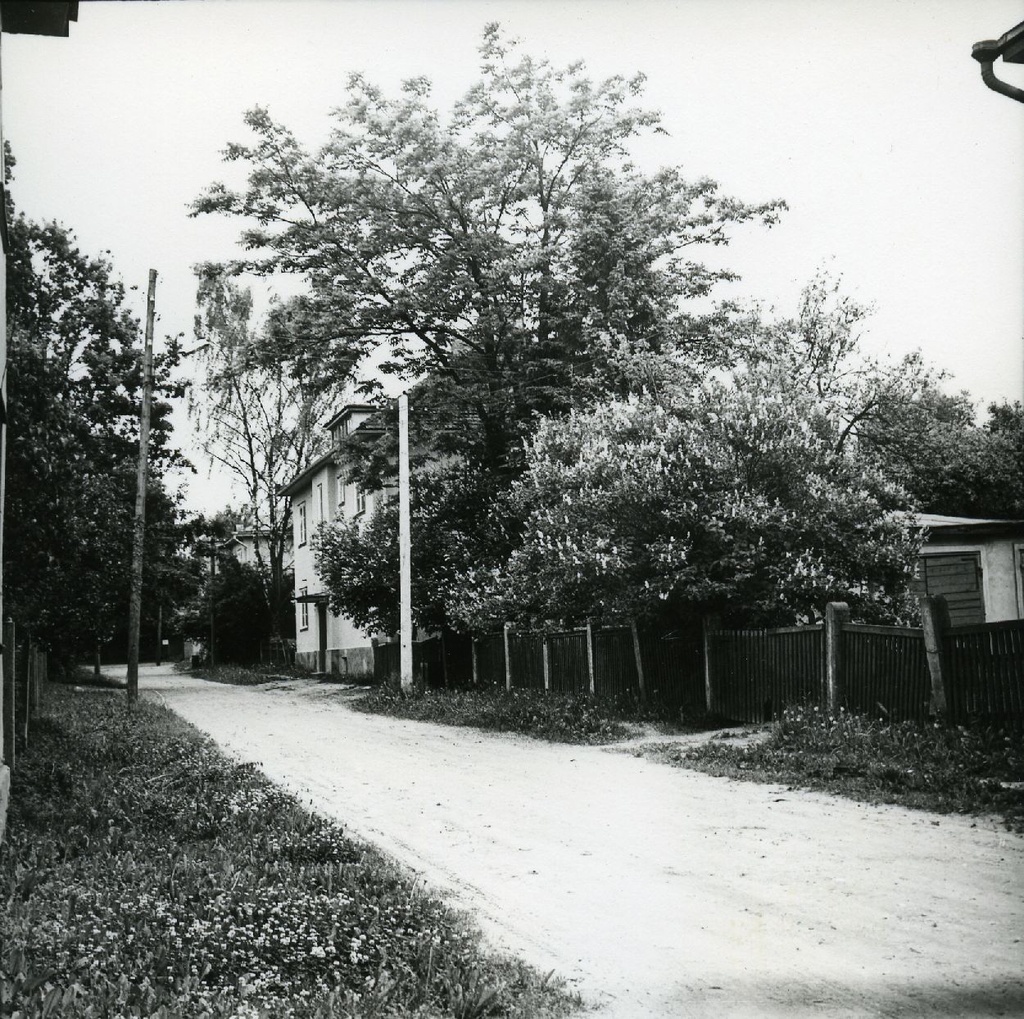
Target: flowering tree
[[731, 500]]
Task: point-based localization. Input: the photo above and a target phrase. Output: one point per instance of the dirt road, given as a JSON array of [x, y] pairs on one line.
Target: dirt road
[[657, 892]]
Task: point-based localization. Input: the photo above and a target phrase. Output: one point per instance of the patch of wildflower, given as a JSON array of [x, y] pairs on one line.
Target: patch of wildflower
[[147, 875]]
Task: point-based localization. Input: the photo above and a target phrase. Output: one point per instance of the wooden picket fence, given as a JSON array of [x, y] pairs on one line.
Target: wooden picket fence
[[25, 670], [612, 662], [973, 672]]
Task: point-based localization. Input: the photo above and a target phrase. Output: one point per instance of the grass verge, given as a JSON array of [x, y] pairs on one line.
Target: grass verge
[[559, 718], [145, 874], [948, 769], [245, 675]]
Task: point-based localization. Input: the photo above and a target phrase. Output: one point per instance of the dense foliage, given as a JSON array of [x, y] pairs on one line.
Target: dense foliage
[[145, 874], [74, 388], [732, 501], [509, 249]]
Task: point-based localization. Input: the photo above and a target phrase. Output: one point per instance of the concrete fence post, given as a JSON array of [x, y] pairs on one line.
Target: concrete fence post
[[934, 623], [508, 656], [546, 647], [476, 665], [836, 613]]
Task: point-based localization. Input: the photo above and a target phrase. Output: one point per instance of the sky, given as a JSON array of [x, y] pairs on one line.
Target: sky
[[903, 173]]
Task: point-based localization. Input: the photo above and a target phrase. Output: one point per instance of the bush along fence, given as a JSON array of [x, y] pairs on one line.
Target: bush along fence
[[962, 673]]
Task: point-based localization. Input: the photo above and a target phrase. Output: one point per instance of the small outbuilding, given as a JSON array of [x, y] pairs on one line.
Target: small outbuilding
[[977, 564]]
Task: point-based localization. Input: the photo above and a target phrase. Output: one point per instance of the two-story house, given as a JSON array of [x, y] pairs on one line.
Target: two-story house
[[326, 642]]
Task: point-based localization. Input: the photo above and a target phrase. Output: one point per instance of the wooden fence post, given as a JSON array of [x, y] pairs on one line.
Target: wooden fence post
[[591, 671], [934, 623], [508, 657], [26, 692], [547, 662], [642, 685], [708, 624], [836, 613], [9, 685], [38, 678]]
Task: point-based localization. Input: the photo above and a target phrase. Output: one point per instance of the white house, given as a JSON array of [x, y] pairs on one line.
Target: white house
[[325, 642], [977, 564], [243, 546]]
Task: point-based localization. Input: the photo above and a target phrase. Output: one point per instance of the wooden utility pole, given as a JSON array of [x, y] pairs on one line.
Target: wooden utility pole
[[404, 545], [139, 534]]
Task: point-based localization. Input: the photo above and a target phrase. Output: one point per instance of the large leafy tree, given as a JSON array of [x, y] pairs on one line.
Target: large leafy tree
[[510, 250], [259, 413], [507, 255], [74, 384]]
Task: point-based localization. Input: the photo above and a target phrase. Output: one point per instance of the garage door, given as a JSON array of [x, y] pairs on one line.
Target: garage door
[[958, 577]]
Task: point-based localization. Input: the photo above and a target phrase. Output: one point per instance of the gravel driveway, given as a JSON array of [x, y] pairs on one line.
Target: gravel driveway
[[657, 892]]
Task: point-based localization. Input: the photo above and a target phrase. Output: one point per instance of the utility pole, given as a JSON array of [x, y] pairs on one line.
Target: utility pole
[[404, 545], [139, 535]]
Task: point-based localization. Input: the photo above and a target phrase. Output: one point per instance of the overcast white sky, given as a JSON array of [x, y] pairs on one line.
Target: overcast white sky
[[902, 171]]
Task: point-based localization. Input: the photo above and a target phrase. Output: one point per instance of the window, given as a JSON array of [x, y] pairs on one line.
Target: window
[[301, 523], [341, 491], [319, 504], [303, 609], [360, 501]]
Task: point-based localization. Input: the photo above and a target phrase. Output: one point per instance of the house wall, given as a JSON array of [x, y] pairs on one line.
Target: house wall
[[1001, 561], [349, 649]]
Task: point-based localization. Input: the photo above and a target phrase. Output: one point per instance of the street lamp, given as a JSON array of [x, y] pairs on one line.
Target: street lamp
[[1009, 46]]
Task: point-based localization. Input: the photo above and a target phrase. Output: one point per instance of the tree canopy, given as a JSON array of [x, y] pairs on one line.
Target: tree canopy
[[510, 251], [259, 417], [74, 384]]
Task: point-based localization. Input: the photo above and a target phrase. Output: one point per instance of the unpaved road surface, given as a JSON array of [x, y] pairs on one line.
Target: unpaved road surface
[[657, 892]]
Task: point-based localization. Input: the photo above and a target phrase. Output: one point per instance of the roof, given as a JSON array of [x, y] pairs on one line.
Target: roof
[[348, 410], [940, 524], [39, 17], [301, 480]]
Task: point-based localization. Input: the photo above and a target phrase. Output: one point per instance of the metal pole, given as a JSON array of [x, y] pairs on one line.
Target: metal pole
[[139, 535], [404, 545]]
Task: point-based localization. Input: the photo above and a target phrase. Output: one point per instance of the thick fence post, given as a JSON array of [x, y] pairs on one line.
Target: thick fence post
[[641, 683], [9, 685], [476, 665], [934, 623], [836, 613], [708, 625], [547, 661], [591, 671], [508, 656]]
